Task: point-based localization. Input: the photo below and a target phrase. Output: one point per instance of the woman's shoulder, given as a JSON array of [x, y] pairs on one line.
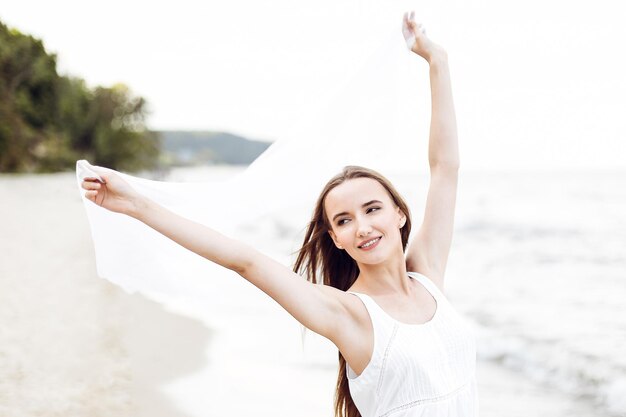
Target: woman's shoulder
[[349, 302]]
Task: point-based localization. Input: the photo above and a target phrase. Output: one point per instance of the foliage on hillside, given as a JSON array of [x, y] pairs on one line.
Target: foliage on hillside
[[48, 121]]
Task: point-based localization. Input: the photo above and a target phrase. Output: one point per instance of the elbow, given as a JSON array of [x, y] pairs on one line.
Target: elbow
[[242, 267], [245, 263]]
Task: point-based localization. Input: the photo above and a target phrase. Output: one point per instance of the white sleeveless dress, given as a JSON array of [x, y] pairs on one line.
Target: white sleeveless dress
[[424, 370]]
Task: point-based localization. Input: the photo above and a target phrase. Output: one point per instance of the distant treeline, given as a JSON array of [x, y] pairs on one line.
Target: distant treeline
[[200, 148], [48, 121]]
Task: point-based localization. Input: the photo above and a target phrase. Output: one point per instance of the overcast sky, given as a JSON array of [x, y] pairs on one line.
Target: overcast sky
[[537, 84]]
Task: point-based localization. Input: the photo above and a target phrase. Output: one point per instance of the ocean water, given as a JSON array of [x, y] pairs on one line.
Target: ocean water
[[538, 265]]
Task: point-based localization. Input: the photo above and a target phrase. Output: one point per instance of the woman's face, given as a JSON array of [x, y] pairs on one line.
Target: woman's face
[[365, 221]]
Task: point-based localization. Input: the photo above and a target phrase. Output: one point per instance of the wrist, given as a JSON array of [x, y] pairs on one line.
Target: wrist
[[139, 207], [438, 56]]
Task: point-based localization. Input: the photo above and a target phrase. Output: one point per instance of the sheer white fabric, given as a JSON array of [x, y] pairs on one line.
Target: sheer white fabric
[[378, 118]]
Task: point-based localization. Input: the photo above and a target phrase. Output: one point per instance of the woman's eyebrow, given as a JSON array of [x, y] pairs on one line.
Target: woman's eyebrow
[[369, 203]]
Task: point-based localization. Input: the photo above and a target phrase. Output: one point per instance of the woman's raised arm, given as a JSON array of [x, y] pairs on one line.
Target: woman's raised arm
[[428, 252], [318, 307]]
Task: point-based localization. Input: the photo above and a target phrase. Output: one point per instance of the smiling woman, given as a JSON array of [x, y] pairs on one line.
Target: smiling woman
[[342, 223], [356, 241], [361, 271]]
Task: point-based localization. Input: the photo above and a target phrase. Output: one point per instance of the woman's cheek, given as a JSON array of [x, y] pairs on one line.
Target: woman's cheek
[[345, 237]]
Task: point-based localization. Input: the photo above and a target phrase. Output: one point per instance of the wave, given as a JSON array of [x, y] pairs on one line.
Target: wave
[[597, 379]]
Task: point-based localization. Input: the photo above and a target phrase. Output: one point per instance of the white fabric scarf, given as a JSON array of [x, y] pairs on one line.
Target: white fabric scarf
[[378, 119]]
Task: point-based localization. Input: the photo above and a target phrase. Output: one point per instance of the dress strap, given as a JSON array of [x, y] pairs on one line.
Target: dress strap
[[432, 288], [377, 314], [372, 308]]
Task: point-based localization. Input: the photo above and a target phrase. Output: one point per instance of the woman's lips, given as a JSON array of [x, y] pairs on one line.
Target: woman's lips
[[372, 243]]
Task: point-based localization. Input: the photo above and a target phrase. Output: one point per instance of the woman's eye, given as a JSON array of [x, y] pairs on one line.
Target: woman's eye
[[369, 210], [342, 222]]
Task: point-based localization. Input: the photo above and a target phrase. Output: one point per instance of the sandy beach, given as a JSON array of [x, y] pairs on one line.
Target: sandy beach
[[72, 344]]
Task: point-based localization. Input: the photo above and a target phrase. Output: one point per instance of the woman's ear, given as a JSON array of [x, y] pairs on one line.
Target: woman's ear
[[334, 238], [402, 218]]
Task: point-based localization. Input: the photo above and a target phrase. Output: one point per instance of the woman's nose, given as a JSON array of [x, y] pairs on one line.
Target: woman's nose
[[363, 229]]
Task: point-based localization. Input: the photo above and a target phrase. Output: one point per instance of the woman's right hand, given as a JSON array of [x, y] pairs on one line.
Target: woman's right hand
[[416, 39], [113, 194]]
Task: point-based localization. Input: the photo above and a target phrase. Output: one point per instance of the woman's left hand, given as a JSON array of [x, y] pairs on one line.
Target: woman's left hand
[[416, 39]]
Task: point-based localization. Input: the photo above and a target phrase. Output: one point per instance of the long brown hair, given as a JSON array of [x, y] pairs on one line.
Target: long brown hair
[[319, 257]]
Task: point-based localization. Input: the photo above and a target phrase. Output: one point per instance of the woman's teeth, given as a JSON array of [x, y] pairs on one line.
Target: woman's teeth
[[370, 243]]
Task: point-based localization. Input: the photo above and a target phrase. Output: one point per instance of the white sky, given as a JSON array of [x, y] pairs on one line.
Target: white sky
[[537, 84]]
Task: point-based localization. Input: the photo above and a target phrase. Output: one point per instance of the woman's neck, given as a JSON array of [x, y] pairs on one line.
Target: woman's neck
[[384, 278]]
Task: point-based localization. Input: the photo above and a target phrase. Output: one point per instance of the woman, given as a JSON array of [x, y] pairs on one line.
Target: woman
[[403, 350]]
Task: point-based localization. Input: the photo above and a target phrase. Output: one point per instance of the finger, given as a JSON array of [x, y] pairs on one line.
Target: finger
[[407, 20], [91, 185], [103, 196], [94, 179], [91, 195], [101, 172]]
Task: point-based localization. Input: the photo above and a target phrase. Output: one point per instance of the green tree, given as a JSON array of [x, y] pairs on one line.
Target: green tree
[[48, 121], [119, 138], [27, 98]]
